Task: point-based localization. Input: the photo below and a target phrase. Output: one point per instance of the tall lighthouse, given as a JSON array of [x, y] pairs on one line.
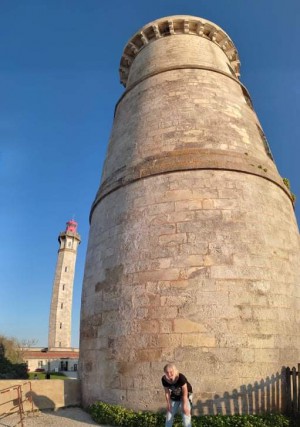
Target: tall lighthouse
[[193, 253], [62, 293]]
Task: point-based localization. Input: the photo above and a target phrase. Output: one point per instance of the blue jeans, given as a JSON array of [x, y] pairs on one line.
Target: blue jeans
[[175, 405]]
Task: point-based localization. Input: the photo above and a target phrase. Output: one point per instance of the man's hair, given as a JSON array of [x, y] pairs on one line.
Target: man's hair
[[170, 366]]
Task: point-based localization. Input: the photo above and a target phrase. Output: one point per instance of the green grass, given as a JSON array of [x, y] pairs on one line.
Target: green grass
[[53, 376]]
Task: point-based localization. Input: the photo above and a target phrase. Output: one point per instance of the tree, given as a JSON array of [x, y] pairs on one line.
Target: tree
[[12, 365], [11, 349], [28, 343]]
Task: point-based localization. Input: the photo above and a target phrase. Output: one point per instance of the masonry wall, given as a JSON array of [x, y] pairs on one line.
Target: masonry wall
[[46, 394], [220, 301], [193, 254]]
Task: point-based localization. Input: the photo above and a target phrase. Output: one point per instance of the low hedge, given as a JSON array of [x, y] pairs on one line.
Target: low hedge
[[114, 415]]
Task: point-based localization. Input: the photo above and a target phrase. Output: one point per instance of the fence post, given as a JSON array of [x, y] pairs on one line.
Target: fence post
[[294, 380], [288, 390], [298, 374], [29, 396], [21, 412]]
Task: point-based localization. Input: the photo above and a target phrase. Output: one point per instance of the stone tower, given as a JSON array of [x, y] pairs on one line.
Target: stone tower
[[62, 293], [193, 253]]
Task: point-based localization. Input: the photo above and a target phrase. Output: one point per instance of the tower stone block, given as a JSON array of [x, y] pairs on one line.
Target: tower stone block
[[193, 253]]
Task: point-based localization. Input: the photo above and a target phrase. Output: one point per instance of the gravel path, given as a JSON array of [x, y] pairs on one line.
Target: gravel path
[[68, 417]]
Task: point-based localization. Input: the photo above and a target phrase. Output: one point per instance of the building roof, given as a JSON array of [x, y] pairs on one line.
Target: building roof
[[31, 354]]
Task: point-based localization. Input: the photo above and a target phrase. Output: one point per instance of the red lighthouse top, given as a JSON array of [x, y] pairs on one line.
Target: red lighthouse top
[[72, 226]]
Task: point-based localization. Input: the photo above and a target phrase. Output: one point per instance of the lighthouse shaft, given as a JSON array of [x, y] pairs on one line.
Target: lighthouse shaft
[[62, 293]]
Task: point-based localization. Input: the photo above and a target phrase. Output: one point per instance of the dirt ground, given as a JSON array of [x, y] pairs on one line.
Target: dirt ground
[[67, 417]]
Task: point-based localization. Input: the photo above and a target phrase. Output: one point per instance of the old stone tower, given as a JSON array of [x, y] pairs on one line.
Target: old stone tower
[[193, 253], [62, 293]]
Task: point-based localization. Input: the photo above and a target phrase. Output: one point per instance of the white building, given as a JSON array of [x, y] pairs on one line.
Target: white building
[[51, 360]]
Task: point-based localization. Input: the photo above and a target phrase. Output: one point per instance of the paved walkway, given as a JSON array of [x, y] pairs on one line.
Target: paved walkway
[[71, 374], [68, 417]]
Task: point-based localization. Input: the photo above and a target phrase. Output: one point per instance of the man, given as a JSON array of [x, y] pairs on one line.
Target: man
[[178, 392]]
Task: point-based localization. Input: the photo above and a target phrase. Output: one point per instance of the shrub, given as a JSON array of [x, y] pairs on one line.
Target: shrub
[[104, 413], [9, 370]]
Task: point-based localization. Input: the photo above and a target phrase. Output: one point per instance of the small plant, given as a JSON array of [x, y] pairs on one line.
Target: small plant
[[104, 413], [287, 183]]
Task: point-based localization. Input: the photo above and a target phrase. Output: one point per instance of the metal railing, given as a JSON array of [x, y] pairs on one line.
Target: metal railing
[[16, 397]]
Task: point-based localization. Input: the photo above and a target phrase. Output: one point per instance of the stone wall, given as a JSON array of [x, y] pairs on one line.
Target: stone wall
[[217, 300], [46, 394]]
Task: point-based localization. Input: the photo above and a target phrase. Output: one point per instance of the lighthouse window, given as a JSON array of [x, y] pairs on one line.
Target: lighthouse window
[[61, 305], [60, 325], [66, 269], [69, 244], [63, 287]]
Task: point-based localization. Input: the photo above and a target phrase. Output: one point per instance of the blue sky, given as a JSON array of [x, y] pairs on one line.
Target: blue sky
[[59, 84]]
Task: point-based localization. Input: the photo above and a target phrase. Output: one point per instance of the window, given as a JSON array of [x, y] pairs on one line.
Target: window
[[265, 142], [247, 97], [59, 344], [60, 325], [62, 305], [40, 363], [66, 269], [69, 244], [63, 288]]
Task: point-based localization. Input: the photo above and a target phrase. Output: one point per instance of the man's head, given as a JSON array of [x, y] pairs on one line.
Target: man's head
[[171, 371]]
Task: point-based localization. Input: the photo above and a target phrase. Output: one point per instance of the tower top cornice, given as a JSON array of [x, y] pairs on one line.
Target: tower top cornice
[[71, 231], [64, 234], [174, 25]]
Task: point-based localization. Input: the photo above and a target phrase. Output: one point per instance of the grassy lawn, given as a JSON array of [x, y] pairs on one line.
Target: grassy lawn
[[53, 376]]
